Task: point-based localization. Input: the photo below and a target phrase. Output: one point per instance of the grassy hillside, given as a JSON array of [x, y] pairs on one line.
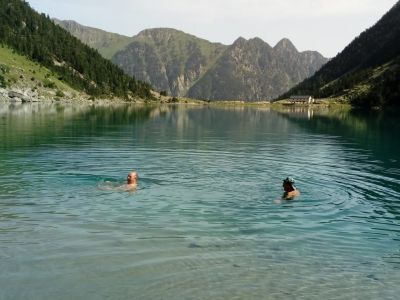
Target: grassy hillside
[[20, 72], [38, 38]]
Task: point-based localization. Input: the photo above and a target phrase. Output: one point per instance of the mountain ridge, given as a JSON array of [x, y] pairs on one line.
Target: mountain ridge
[[253, 70], [176, 62], [107, 43]]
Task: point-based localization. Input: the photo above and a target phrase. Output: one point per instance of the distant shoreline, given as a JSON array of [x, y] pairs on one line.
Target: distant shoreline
[[17, 95]]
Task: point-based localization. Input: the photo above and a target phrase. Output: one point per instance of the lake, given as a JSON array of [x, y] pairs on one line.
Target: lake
[[204, 222]]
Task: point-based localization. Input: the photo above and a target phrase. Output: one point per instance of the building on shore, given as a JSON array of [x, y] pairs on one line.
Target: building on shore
[[302, 99]]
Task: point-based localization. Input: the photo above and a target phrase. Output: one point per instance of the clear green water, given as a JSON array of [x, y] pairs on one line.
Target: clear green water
[[203, 223]]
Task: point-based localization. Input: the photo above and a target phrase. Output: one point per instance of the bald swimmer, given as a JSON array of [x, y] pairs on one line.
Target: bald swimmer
[[131, 181]]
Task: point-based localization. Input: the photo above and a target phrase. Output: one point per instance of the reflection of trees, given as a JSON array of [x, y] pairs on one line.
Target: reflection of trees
[[371, 130], [32, 124], [376, 131]]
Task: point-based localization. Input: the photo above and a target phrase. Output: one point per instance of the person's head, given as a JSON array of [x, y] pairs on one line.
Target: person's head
[[131, 178], [288, 184]]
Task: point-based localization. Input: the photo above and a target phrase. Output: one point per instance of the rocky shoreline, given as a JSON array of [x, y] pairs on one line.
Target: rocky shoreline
[[20, 95], [15, 94]]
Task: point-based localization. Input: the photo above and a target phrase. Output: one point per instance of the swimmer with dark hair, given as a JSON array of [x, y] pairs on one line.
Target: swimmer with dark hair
[[290, 191]]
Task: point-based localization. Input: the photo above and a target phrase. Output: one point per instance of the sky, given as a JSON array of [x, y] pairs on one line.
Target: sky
[[323, 25]]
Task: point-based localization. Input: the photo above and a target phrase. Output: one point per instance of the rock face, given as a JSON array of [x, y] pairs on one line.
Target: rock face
[[252, 70], [184, 65], [169, 59]]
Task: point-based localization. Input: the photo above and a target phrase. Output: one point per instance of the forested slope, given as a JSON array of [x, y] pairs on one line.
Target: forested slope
[[38, 38]]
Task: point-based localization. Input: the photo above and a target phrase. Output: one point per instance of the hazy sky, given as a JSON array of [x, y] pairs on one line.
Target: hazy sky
[[323, 25]]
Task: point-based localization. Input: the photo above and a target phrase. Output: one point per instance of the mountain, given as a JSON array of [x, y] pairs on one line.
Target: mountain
[[36, 37], [170, 59], [367, 71], [106, 43], [252, 70], [184, 65]]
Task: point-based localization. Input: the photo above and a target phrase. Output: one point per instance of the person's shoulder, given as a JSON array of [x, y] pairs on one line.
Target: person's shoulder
[[296, 193], [291, 195], [131, 186]]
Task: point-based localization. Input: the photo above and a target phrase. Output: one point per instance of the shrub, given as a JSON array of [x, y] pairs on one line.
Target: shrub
[[171, 100], [2, 81], [163, 93], [49, 84], [4, 69], [60, 93]]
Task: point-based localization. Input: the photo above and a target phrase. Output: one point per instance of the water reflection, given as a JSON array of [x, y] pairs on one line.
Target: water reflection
[[204, 211], [372, 136], [33, 124], [374, 131]]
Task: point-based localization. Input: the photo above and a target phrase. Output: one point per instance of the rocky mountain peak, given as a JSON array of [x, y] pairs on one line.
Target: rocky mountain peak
[[163, 35], [285, 45], [259, 43], [257, 40], [251, 44], [154, 32], [67, 24], [240, 41]]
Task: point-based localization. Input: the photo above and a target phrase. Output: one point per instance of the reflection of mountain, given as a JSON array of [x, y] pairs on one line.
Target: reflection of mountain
[[203, 123]]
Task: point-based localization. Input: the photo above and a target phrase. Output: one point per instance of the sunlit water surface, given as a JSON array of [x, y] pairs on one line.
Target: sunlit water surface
[[204, 222]]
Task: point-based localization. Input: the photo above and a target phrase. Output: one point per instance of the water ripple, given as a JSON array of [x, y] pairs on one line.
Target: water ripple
[[204, 222]]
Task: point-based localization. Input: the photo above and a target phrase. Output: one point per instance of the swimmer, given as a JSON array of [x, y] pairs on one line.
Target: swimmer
[[130, 185], [290, 190], [131, 182]]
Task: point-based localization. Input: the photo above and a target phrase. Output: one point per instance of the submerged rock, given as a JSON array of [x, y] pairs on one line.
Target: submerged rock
[[194, 245], [372, 276]]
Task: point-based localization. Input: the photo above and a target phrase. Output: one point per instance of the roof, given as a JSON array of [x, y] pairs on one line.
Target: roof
[[301, 97]]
